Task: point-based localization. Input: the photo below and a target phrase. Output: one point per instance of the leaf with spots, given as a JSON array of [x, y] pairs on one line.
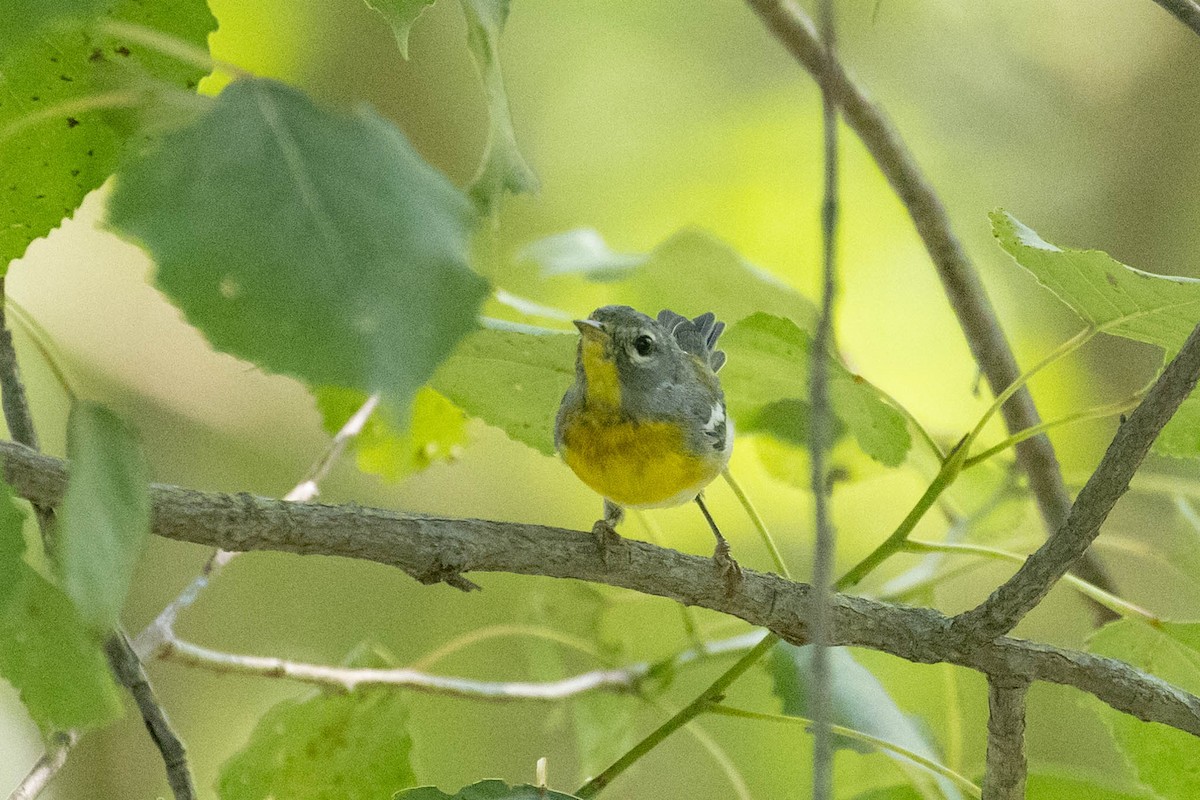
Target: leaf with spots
[[327, 746], [386, 446], [46, 652], [315, 243], [58, 137], [1156, 309]]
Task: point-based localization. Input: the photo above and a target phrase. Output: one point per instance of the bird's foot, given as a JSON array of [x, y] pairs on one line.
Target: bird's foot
[[731, 571], [607, 538]]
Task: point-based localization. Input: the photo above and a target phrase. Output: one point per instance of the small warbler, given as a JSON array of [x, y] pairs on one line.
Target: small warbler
[[644, 424]]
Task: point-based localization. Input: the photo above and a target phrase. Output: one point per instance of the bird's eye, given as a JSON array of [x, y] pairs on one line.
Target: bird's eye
[[643, 344]]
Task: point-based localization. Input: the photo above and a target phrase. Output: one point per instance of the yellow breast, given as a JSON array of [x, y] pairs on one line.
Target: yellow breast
[[640, 465]]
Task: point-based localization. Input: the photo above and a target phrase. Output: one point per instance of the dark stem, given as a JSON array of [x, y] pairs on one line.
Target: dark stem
[[1186, 11], [1004, 778], [825, 543], [795, 31], [1019, 594]]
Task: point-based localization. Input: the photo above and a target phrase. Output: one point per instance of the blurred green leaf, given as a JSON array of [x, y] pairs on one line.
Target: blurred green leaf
[[1156, 309], [1167, 760], [691, 272], [580, 252], [329, 746], [386, 446], [50, 160], [46, 652], [313, 243], [400, 14], [528, 370], [768, 362], [105, 514], [503, 167], [484, 790], [860, 702], [25, 19], [1038, 787]]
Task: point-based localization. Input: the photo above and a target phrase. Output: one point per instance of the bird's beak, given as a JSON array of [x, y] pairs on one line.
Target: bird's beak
[[591, 329]]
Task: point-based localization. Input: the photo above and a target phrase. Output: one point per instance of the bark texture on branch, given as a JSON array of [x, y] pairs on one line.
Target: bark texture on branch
[[1005, 776], [431, 548]]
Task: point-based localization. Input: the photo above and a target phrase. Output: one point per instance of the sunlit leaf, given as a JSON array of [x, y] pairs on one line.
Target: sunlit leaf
[[46, 652], [860, 702], [353, 746], [1157, 309], [105, 515], [768, 360], [484, 790], [50, 160], [527, 369], [503, 168], [313, 243], [1166, 760], [387, 446], [400, 14]]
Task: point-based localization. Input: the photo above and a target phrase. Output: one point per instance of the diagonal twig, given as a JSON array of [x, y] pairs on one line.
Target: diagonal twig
[[1019, 594], [1186, 11], [968, 298]]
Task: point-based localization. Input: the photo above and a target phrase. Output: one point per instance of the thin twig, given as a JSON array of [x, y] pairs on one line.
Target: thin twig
[[968, 298], [1186, 11], [47, 766], [1019, 594], [1005, 775], [419, 543], [824, 539]]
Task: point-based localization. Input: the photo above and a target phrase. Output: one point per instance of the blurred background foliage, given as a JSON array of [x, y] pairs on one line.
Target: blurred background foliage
[[642, 119]]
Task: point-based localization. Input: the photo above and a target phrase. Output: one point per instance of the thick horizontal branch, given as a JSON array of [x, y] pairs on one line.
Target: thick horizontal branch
[[430, 548], [792, 27], [1019, 594]]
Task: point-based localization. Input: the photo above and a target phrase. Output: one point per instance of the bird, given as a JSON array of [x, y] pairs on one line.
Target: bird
[[644, 425]]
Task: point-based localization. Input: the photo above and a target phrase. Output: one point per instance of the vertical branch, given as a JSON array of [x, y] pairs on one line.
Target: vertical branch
[[795, 31], [1005, 775], [819, 436]]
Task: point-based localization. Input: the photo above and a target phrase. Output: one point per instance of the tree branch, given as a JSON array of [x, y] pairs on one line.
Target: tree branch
[[425, 546], [1025, 589], [46, 767], [1005, 775], [794, 30], [1186, 11]]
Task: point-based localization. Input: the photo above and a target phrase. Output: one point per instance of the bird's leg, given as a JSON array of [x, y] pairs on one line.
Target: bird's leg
[[605, 530], [721, 557]]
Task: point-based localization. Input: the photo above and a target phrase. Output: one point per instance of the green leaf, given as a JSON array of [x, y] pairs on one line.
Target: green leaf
[[1167, 760], [528, 370], [58, 140], [328, 746], [860, 702], [400, 14], [503, 167], [1038, 787], [313, 243], [1155, 309], [25, 19], [691, 272], [386, 446], [105, 514], [767, 363], [484, 790], [46, 652]]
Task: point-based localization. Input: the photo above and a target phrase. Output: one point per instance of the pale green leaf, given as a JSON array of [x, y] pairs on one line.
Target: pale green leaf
[[768, 360], [1157, 309], [105, 514], [859, 702], [328, 746], [400, 14], [484, 790], [50, 159], [528, 370], [387, 446], [46, 652], [1166, 760], [313, 243]]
